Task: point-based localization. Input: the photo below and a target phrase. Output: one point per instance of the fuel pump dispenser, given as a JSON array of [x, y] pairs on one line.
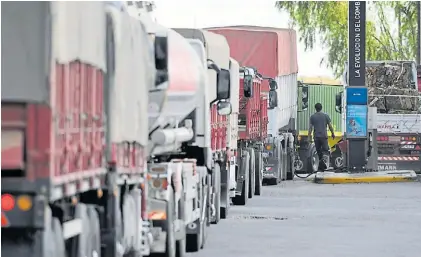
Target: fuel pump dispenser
[[360, 145]]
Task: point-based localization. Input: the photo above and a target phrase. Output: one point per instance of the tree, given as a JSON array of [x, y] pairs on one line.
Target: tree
[[391, 34]]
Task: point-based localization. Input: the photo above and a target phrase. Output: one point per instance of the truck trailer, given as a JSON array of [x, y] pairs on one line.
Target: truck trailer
[[272, 52], [74, 129], [247, 157]]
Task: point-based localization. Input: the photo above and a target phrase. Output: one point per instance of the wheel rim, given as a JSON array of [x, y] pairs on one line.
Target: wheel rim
[[326, 160], [315, 160], [299, 165], [339, 162]]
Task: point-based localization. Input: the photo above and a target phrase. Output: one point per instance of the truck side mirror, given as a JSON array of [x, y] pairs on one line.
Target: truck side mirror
[[338, 102], [224, 108], [273, 85], [223, 86], [273, 99], [161, 59], [248, 85], [302, 97]]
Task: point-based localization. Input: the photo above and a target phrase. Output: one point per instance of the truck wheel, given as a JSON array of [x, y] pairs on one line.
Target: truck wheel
[[313, 160], [272, 181], [48, 249], [95, 232], [217, 187], [251, 173], [193, 241], [337, 160], [258, 174], [60, 249], [205, 223], [226, 203], [290, 167], [242, 199], [83, 242], [129, 221], [181, 244], [171, 242]]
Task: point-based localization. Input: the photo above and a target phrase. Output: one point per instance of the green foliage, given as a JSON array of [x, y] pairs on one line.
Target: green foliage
[[387, 37]]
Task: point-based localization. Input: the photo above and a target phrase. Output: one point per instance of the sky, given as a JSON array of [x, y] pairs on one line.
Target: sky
[[207, 13]]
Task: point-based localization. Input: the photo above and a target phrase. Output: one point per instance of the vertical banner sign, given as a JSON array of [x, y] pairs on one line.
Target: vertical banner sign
[[356, 43], [357, 98]]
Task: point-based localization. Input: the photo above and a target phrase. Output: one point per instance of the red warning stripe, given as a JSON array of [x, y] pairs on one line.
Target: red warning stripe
[[401, 158], [408, 143]]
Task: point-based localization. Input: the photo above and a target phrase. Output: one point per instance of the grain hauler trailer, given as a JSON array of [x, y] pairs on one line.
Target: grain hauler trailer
[[74, 129], [250, 139], [393, 89], [273, 52], [214, 51]]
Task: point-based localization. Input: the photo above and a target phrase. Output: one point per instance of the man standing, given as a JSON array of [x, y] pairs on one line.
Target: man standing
[[319, 121]]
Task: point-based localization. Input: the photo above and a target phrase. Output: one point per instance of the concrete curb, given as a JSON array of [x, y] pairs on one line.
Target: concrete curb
[[367, 177]]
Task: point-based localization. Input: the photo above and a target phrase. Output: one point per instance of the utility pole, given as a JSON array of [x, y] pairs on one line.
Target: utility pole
[[419, 33]]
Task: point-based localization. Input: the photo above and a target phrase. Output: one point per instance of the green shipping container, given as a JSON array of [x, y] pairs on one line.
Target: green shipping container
[[324, 94]]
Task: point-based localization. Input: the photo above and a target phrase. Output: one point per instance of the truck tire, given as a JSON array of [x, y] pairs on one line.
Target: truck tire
[[312, 160], [226, 203], [129, 221], [225, 191], [217, 187], [83, 240], [48, 249], [272, 181], [95, 232], [60, 249], [290, 167], [337, 160], [251, 173], [170, 247], [193, 241], [258, 173], [206, 221], [242, 199], [180, 245]]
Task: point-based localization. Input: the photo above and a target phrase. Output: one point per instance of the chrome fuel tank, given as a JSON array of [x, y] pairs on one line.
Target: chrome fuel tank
[[186, 75]]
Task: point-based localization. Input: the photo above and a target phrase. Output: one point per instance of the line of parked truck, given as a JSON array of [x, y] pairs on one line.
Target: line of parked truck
[[121, 137]]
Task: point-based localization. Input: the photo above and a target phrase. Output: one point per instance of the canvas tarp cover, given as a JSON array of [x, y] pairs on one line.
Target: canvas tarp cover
[[392, 87], [25, 50]]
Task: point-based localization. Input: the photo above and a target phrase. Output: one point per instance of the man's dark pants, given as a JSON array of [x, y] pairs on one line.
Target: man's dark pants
[[322, 146]]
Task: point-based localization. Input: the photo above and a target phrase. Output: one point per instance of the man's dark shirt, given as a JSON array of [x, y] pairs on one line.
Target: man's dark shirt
[[320, 120]]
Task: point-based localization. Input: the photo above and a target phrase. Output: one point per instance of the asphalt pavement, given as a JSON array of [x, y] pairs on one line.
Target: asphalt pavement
[[300, 219]]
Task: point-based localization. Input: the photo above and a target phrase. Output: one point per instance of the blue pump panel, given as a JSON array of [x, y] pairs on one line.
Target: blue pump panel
[[356, 95]]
